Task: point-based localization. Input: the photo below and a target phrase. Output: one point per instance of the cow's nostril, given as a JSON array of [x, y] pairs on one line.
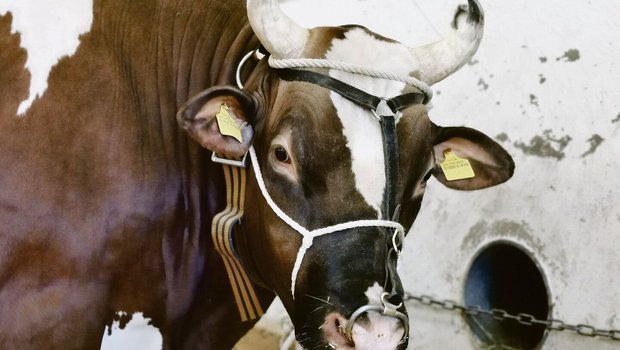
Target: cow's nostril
[[371, 332], [338, 325], [334, 331], [377, 332]]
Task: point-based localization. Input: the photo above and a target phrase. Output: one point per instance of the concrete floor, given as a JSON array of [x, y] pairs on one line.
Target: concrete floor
[[258, 339]]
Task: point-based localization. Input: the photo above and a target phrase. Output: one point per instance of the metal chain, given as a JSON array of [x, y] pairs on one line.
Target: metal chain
[[522, 318]]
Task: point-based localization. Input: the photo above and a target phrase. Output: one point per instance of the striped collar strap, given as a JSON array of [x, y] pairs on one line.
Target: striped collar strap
[[222, 227]]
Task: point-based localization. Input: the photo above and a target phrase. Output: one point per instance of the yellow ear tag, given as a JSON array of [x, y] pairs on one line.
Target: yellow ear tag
[[455, 168], [227, 124]]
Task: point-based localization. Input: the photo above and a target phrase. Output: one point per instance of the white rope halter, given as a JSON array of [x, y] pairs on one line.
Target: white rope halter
[[280, 63], [309, 236]]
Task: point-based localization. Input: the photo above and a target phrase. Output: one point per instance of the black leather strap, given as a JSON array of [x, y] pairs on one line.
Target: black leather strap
[[391, 156], [392, 167], [352, 93], [401, 102], [393, 285]]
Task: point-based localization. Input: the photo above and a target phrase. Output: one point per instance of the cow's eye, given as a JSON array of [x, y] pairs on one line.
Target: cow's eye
[[282, 155]]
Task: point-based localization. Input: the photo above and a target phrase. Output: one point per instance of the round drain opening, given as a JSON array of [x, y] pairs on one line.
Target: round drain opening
[[504, 276]]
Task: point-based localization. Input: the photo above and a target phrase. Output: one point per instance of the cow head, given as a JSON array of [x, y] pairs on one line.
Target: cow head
[[322, 162]]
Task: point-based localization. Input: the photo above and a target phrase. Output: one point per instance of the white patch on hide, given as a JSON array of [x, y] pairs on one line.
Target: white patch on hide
[[374, 293], [49, 30], [137, 334], [361, 128]]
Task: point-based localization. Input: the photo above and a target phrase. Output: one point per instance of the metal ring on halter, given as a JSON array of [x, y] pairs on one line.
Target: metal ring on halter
[[383, 109], [399, 234], [241, 63], [245, 58], [387, 310], [349, 328]]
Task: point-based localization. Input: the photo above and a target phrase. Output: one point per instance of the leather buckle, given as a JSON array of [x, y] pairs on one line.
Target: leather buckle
[[232, 162]]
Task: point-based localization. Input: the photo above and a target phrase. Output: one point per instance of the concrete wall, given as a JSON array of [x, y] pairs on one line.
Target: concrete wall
[[546, 85]]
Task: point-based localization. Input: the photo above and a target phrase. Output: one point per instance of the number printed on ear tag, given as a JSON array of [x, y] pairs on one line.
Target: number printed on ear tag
[[227, 124], [455, 168]]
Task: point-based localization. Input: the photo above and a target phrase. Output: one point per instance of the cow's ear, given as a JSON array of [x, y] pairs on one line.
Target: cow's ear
[[491, 164], [199, 117]]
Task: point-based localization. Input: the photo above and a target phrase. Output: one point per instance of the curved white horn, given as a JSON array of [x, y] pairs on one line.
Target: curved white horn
[[282, 37], [440, 59]]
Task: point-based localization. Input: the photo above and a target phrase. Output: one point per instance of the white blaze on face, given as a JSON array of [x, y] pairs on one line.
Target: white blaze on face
[[374, 293], [361, 129], [49, 30], [137, 334]]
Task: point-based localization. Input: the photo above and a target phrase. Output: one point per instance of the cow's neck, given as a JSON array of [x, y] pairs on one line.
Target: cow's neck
[[169, 52], [103, 148], [167, 61]]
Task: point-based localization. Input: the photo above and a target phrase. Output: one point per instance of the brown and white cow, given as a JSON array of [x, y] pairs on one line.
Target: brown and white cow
[[106, 203]]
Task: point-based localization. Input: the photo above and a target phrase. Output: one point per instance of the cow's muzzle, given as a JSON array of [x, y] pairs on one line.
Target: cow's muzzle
[[370, 327], [387, 309]]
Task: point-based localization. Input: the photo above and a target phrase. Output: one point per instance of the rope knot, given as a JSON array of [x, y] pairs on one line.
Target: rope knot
[[307, 242]]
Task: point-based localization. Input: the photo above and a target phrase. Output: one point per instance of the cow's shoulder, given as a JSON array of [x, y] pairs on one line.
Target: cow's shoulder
[[48, 32], [14, 78]]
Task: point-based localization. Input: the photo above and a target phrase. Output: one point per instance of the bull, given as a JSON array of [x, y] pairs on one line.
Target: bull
[[108, 195]]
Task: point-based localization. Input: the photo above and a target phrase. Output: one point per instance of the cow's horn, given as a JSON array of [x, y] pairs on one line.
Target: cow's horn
[[282, 37], [438, 60]]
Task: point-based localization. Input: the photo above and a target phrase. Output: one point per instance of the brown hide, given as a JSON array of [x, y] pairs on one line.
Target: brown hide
[[105, 205], [14, 77]]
